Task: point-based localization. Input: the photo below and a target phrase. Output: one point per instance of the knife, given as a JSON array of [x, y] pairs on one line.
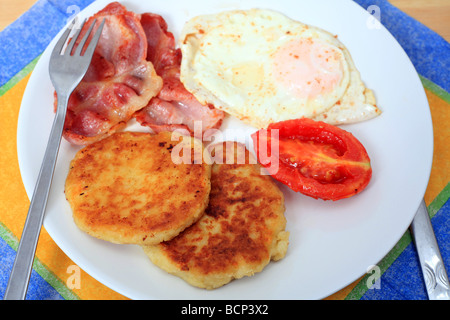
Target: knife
[[433, 269]]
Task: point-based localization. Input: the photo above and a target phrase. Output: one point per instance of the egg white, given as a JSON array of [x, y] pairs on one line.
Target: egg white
[[232, 60]]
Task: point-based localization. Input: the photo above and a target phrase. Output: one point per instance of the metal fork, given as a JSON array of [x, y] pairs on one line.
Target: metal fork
[[66, 71]]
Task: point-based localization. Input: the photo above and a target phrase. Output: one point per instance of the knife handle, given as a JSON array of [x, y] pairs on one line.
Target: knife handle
[[433, 269]]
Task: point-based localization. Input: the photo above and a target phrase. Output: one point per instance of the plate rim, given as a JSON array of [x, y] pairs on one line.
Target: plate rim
[[120, 290]]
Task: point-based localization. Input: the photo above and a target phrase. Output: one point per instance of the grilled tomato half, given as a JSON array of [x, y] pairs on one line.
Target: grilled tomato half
[[315, 158]]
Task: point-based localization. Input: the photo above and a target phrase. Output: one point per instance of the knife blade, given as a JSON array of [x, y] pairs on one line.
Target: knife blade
[[431, 262]]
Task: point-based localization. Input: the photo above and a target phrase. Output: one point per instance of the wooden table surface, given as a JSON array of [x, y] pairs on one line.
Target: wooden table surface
[[433, 13]]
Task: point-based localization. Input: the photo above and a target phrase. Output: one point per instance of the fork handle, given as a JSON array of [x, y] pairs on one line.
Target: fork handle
[[21, 270], [431, 262]]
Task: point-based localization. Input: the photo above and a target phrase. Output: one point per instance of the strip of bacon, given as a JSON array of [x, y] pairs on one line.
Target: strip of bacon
[[174, 107], [119, 81]]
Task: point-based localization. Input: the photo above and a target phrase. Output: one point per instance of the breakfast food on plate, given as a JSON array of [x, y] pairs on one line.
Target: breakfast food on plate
[[204, 219], [126, 189], [262, 67], [134, 72], [315, 158], [119, 80], [242, 230], [174, 107]]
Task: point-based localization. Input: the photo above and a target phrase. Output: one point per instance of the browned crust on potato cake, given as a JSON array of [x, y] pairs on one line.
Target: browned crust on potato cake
[[242, 230], [127, 189]]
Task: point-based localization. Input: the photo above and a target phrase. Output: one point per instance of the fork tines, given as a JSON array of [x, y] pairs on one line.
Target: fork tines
[[59, 47]]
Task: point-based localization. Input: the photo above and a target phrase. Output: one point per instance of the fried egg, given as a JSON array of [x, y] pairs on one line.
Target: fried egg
[[263, 67]]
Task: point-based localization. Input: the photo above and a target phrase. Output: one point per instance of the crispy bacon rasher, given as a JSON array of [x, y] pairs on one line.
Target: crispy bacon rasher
[[174, 107], [135, 72], [119, 81]]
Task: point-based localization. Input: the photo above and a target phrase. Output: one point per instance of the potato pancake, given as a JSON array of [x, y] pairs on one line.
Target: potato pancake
[[242, 230], [126, 188]]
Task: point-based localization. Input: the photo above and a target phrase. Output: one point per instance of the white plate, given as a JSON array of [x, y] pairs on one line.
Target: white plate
[[331, 243]]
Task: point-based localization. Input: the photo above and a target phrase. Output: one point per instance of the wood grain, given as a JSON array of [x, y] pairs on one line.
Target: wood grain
[[435, 14], [11, 10]]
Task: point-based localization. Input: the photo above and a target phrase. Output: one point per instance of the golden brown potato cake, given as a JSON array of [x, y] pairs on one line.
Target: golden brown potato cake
[[126, 188], [242, 230]]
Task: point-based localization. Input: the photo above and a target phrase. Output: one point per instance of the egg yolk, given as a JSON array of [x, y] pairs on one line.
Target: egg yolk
[[308, 67]]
